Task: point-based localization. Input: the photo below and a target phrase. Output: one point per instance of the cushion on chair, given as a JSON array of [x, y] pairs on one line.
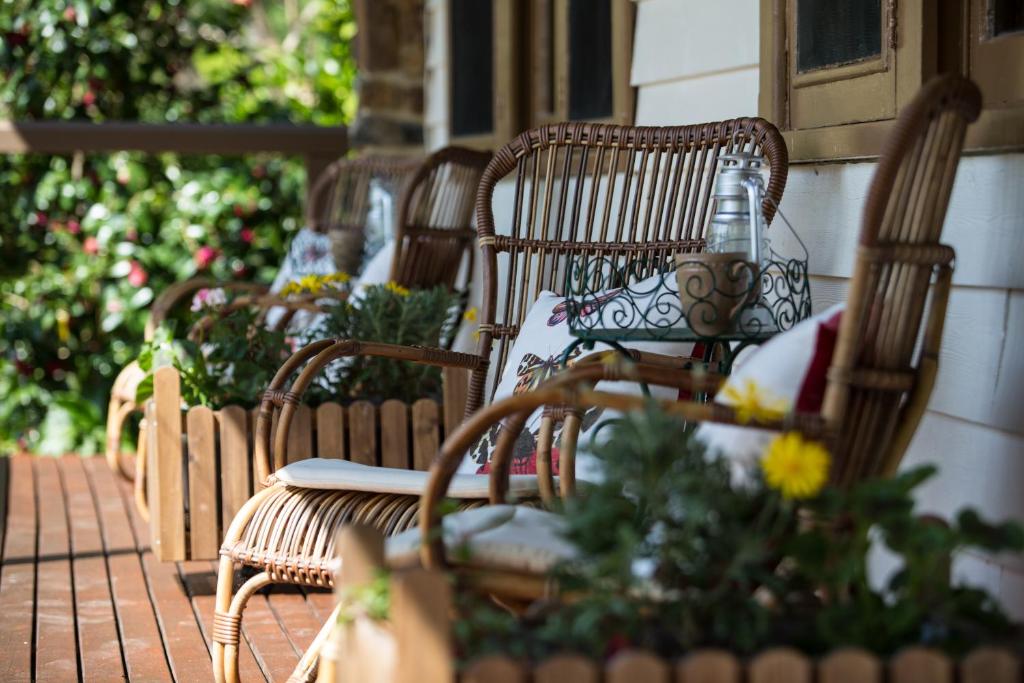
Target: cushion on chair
[[534, 357], [332, 474], [788, 370], [308, 254], [507, 537]]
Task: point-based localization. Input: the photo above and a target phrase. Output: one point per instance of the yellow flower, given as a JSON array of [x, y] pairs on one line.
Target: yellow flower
[[340, 277], [396, 288], [470, 315], [796, 467], [290, 288], [753, 403], [312, 283]]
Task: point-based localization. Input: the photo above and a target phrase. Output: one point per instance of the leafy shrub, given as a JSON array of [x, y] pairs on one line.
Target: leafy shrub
[[87, 241], [676, 554]]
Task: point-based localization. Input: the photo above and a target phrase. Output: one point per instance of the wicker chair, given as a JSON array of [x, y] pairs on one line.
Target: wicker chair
[[576, 189], [339, 201], [885, 360]]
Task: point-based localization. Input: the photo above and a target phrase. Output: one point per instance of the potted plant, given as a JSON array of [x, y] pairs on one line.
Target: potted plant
[[201, 391], [687, 561]]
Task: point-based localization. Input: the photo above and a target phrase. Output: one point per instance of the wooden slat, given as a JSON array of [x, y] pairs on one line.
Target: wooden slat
[[456, 391], [636, 665], [494, 669], [394, 434], [18, 578], [708, 666], [98, 640], [144, 658], [918, 664], [235, 462], [563, 668], [849, 666], [990, 664], [420, 600], [295, 615], [167, 490], [362, 433], [330, 431], [55, 642], [426, 441], [300, 436], [779, 666], [204, 534]]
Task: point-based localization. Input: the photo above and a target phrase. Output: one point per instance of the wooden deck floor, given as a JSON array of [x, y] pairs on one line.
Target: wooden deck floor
[[82, 597]]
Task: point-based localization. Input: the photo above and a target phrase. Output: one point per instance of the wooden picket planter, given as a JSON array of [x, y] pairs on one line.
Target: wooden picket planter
[[199, 468], [416, 644]]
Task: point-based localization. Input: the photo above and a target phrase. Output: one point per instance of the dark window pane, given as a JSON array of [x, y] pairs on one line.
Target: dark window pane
[[590, 59], [1007, 16], [472, 40], [835, 32]]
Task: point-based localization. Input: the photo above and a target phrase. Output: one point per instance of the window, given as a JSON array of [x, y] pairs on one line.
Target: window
[[835, 73], [536, 62]]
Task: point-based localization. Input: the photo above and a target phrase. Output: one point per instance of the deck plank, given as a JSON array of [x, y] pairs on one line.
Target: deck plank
[[98, 639], [269, 642], [296, 616], [144, 648], [17, 575], [55, 642]]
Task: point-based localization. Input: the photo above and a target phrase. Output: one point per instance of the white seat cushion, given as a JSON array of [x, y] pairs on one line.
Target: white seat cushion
[[333, 475], [504, 537]]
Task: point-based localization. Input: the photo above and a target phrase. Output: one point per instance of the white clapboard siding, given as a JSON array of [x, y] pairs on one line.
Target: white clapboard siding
[[705, 37], [714, 97], [824, 202], [979, 467]]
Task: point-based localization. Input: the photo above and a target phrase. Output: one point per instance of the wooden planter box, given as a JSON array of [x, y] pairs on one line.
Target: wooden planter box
[[199, 468], [416, 645]]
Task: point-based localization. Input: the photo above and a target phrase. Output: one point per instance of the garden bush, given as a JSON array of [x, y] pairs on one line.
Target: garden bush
[[88, 241]]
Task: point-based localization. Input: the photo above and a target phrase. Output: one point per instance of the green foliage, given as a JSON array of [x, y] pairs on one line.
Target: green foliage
[[391, 315], [236, 357], [87, 241], [675, 554]]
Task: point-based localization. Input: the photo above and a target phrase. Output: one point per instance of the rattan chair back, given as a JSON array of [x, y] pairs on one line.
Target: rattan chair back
[[885, 361], [625, 194], [434, 232]]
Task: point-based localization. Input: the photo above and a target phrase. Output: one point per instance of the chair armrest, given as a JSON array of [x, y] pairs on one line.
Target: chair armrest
[[312, 359]]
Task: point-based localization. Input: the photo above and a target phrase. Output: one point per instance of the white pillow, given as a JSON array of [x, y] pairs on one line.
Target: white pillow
[[534, 357], [788, 372], [308, 254], [376, 271]]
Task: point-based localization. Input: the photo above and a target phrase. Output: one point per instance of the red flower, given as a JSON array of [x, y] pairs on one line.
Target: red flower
[[242, 3], [89, 98], [70, 14], [74, 227], [41, 219], [137, 276], [206, 255], [91, 245], [131, 234], [23, 368], [238, 210], [247, 234]]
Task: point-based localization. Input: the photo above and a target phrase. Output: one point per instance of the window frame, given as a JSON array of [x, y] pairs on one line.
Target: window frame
[[917, 39], [516, 95]]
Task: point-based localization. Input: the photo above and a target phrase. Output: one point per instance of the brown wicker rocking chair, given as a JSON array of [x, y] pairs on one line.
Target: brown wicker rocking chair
[[339, 202], [882, 371], [618, 191]]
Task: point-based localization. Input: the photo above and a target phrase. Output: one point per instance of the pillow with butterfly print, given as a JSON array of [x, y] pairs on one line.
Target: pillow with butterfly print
[[535, 356]]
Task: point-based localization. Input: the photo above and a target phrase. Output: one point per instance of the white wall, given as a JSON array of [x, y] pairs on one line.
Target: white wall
[[697, 61]]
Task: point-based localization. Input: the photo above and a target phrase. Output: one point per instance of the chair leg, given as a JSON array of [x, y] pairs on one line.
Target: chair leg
[[227, 617], [227, 624], [306, 670]]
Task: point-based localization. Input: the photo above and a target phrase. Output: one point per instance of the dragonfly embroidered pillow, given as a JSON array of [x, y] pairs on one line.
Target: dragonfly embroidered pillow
[[535, 356]]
